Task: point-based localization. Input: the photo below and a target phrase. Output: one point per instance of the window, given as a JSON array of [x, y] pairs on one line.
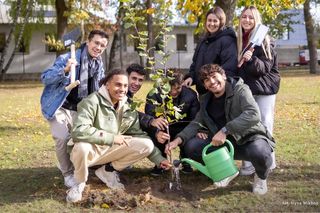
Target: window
[[181, 42], [2, 41]]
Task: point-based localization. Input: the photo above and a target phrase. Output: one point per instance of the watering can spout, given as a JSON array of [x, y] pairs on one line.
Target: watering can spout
[[197, 165]]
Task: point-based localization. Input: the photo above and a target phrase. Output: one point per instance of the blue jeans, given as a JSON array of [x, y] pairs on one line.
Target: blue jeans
[[258, 152]]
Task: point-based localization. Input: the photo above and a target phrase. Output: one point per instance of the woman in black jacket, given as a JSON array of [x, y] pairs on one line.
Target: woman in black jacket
[[259, 71], [218, 46]]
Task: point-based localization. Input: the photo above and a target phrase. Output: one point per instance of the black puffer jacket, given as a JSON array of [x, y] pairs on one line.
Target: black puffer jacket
[[260, 73], [219, 48]]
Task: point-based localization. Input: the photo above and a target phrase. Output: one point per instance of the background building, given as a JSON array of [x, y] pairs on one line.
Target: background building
[[36, 56]]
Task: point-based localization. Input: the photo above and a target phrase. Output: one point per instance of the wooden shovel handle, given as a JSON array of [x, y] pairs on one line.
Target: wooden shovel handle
[[243, 59], [241, 62], [72, 85]]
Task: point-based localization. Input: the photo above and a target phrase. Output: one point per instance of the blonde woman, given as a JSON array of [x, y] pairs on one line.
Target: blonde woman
[[259, 71]]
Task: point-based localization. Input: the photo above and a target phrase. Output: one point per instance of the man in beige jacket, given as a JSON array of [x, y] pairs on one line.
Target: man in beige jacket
[[107, 131]]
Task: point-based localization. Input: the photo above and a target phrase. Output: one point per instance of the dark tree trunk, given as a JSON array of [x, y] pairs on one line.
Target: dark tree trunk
[[228, 7], [112, 52], [116, 38], [8, 40], [311, 37], [62, 21], [121, 15]]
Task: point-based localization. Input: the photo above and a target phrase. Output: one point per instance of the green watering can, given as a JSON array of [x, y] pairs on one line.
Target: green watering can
[[219, 164]]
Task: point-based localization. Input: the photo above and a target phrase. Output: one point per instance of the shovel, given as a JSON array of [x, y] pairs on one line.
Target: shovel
[[256, 39], [69, 39]]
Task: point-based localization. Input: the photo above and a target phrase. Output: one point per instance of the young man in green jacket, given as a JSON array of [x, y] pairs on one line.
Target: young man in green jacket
[[228, 110], [107, 131]]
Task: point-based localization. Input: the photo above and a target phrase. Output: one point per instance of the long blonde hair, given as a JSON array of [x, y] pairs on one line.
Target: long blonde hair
[[257, 20]]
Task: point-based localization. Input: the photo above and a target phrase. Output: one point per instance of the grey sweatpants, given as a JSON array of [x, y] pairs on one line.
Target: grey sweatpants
[[60, 127]]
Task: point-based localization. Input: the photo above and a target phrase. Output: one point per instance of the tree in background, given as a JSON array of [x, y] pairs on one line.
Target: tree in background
[[22, 9], [72, 13], [15, 17], [195, 10], [160, 18], [312, 38], [29, 15]]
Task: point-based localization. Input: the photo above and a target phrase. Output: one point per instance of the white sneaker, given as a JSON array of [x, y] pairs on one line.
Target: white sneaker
[[259, 186], [247, 168], [75, 193], [226, 181], [111, 179], [69, 181], [273, 165]]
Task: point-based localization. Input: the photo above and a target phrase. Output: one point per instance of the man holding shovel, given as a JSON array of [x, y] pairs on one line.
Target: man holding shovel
[[59, 100]]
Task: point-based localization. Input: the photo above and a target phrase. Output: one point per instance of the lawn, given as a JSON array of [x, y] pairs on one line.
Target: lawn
[[31, 182]]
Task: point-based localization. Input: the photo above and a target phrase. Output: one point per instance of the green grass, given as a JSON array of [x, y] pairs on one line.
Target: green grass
[[31, 182]]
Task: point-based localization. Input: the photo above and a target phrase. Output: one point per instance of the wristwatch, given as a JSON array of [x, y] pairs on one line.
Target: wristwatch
[[224, 130]]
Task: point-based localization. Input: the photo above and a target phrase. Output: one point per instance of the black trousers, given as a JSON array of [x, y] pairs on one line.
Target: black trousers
[[258, 152]]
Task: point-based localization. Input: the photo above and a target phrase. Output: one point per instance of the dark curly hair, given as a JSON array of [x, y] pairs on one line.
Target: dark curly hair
[[207, 70], [136, 68]]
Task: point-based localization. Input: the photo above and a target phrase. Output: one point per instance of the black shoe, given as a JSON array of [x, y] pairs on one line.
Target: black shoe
[[186, 169], [156, 171]]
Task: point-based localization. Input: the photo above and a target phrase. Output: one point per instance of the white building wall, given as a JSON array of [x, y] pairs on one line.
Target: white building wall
[[298, 37], [34, 61], [288, 49], [180, 59]]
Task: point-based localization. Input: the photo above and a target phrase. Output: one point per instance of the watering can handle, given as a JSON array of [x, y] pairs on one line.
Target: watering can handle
[[204, 151]]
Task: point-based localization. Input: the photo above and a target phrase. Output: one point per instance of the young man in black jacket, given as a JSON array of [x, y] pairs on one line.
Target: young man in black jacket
[[186, 100]]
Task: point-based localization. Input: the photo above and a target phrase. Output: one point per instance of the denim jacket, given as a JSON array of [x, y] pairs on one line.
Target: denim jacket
[[55, 80]]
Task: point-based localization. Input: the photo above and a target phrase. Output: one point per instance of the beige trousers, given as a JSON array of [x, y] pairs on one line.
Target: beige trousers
[[84, 155], [60, 127]]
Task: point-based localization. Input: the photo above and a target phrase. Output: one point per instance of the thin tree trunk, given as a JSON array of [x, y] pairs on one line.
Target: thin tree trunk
[[83, 32], [121, 13], [150, 43], [112, 52], [311, 37], [62, 21], [228, 7], [6, 46], [25, 21], [141, 61]]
